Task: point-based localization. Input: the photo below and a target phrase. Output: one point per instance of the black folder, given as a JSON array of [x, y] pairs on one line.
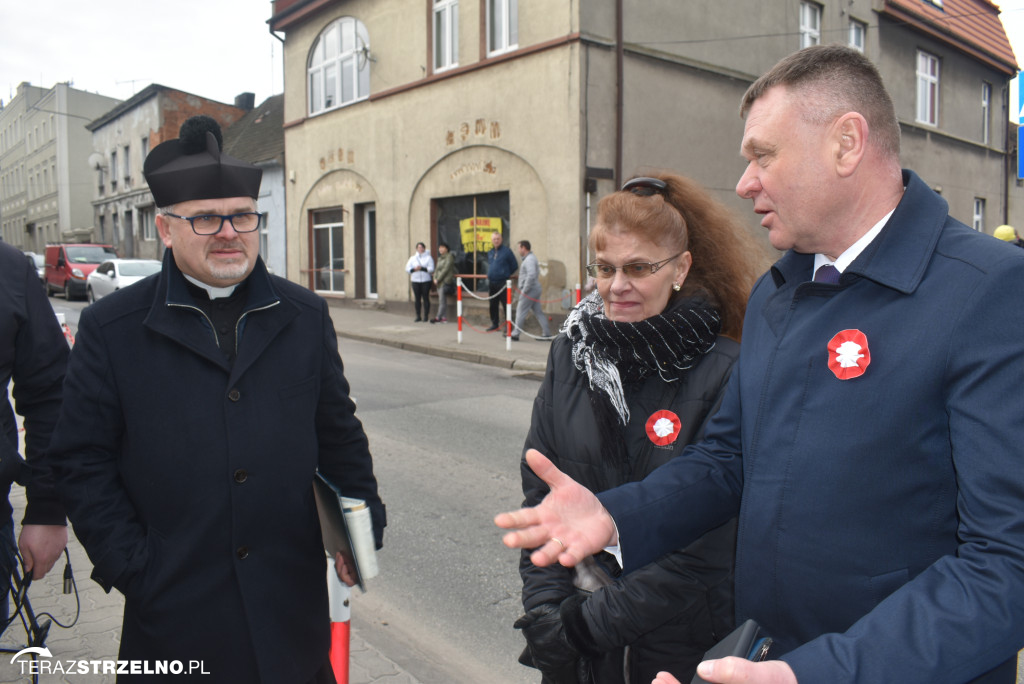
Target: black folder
[[746, 641], [333, 526]]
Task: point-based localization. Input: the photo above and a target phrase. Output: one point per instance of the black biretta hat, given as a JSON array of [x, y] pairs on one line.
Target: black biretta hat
[[192, 167]]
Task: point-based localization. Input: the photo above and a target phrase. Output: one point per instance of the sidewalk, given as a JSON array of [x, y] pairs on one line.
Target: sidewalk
[[362, 320]]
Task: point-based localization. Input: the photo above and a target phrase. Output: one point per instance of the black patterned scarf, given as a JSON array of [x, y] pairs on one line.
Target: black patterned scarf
[[611, 353]]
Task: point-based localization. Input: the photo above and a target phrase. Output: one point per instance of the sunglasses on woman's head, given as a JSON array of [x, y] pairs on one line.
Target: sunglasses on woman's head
[[645, 187]]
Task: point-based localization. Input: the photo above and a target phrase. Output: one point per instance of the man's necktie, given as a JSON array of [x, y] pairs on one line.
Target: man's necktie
[[827, 274]]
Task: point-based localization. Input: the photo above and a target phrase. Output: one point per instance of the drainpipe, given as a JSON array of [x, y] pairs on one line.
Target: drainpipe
[[619, 96], [1008, 145]]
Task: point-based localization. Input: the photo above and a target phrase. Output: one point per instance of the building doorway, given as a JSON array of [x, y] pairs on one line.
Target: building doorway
[[464, 224], [327, 251]]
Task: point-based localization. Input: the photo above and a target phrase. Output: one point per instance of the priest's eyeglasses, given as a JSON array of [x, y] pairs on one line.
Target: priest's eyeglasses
[[637, 269], [211, 224]]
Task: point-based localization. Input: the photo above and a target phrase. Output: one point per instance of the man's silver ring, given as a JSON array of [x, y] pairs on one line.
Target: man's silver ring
[[560, 542]]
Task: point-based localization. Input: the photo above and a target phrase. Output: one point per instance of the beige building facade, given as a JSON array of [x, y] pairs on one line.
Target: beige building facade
[[406, 120]]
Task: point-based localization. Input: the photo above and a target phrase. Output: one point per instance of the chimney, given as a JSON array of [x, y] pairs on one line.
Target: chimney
[[245, 101]]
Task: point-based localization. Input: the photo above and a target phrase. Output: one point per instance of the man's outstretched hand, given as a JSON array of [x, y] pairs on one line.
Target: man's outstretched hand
[[567, 526], [734, 670]]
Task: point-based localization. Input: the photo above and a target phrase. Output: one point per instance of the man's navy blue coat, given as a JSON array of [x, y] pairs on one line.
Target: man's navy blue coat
[[189, 479], [881, 534]]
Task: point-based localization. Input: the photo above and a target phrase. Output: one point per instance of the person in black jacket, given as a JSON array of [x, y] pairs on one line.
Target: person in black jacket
[[33, 353], [641, 364]]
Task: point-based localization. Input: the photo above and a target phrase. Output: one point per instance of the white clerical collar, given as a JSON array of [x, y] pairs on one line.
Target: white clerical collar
[[854, 250], [211, 291]]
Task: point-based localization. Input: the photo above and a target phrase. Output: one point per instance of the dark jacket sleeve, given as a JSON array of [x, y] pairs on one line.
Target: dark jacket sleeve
[[40, 361], [695, 584], [553, 583], [344, 449], [83, 456]]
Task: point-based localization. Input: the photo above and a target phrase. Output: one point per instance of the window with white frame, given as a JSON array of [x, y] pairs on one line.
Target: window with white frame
[[986, 111], [978, 221], [858, 33], [446, 34], [810, 24], [264, 235], [339, 66], [927, 88], [147, 217], [502, 26]]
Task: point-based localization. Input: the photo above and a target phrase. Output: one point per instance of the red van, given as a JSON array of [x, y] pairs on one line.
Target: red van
[[67, 267]]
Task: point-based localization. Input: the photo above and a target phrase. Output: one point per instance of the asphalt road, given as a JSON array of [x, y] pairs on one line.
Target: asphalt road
[[446, 438]]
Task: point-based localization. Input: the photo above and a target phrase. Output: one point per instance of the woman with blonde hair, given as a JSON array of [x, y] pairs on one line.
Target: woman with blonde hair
[[639, 366]]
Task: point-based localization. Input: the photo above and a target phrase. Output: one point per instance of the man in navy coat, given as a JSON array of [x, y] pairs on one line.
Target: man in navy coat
[[501, 264], [869, 438], [198, 405]]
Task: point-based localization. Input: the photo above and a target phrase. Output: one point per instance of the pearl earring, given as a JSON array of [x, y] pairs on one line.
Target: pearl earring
[[677, 287]]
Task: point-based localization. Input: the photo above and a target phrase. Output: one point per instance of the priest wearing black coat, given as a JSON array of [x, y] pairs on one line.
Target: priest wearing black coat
[[199, 404]]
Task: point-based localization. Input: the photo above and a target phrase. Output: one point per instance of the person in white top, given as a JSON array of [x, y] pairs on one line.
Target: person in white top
[[421, 266]]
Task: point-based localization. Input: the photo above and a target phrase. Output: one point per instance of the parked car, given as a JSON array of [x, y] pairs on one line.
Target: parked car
[[39, 263], [117, 273], [67, 266]]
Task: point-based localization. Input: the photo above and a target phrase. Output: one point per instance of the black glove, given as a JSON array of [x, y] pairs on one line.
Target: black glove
[[547, 648], [575, 627]]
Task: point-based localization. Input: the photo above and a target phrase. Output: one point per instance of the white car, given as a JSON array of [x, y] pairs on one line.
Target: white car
[[117, 273]]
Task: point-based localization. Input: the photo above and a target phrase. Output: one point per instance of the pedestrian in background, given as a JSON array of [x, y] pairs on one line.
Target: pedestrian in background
[[869, 438], [501, 264], [1008, 234], [420, 266], [444, 281], [641, 365], [200, 403], [33, 353], [529, 292]]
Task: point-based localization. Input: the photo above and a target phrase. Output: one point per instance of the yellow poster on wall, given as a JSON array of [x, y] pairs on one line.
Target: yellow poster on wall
[[480, 229]]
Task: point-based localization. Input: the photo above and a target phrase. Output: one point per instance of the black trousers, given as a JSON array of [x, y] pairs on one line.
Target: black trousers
[[421, 292], [497, 303]]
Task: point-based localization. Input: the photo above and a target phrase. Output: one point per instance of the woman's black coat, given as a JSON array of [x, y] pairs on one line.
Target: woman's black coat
[[672, 610]]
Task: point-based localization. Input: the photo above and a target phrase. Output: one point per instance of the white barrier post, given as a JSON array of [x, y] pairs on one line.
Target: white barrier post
[[65, 329], [458, 303], [508, 315], [341, 615]]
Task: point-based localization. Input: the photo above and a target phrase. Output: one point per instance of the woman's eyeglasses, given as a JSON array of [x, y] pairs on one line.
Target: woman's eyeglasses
[[637, 269]]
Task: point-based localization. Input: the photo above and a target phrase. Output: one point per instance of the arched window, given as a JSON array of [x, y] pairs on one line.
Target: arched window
[[339, 66]]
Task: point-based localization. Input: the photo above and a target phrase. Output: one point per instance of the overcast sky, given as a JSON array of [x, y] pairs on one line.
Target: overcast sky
[[213, 48]]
